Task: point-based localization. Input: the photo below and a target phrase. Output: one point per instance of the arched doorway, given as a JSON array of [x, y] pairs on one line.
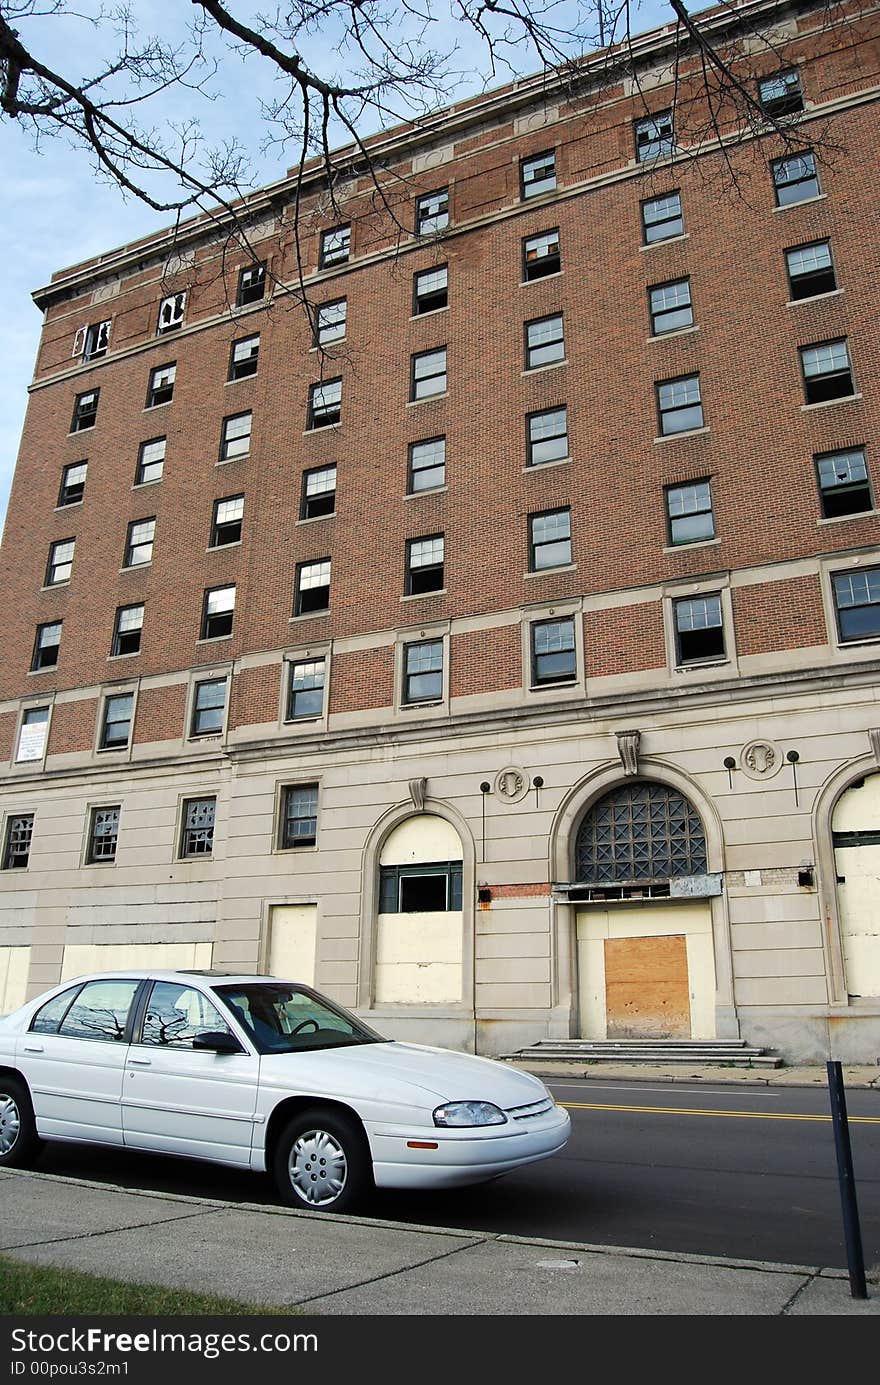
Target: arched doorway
[[644, 923], [855, 832]]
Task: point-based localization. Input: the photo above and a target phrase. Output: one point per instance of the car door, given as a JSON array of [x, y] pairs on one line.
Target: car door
[[73, 1057], [186, 1100]]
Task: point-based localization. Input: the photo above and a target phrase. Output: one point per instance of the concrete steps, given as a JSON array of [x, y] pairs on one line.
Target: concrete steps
[[721, 1053]]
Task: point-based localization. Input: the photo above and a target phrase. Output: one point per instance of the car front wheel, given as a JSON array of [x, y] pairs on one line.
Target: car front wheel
[[18, 1131], [322, 1163]]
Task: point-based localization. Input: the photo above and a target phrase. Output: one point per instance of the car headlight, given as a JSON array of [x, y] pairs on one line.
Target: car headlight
[[469, 1113]]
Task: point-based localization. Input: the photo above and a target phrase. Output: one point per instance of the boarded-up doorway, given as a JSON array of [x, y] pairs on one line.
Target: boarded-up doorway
[[646, 988]]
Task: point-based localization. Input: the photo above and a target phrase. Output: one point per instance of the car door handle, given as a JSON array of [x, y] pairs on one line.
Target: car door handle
[[32, 1048], [140, 1062]]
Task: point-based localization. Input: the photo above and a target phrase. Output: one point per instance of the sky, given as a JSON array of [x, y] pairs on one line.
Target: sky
[[55, 213]]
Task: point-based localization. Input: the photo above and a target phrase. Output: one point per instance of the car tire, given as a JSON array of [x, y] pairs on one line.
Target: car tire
[[19, 1142], [322, 1161]]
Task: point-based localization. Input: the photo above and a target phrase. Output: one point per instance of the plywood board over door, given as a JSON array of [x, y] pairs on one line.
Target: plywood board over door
[[646, 988]]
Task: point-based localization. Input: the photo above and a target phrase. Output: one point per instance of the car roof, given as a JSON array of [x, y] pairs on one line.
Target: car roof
[[182, 975]]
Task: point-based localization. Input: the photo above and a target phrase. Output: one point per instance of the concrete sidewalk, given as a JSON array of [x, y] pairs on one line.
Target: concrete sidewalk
[[864, 1076], [329, 1266]]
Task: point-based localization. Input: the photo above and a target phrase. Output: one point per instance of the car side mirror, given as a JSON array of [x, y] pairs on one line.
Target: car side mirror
[[218, 1040]]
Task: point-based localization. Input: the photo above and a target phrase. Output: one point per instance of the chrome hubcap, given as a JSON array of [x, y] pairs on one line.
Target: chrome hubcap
[[10, 1122], [317, 1167]]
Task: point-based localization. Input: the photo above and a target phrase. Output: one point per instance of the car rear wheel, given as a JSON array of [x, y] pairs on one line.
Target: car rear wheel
[[19, 1142], [322, 1162]]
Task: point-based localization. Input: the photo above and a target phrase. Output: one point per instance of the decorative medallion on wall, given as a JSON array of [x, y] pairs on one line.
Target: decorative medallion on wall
[[760, 759], [511, 784]]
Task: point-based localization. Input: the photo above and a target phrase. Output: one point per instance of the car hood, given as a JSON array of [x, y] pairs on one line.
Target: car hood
[[385, 1069]]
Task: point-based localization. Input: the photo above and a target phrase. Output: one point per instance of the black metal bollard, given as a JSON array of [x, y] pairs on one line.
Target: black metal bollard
[[854, 1257]]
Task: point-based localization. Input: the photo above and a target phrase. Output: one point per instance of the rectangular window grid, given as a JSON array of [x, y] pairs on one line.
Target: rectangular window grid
[[423, 671], [670, 307], [541, 255], [662, 218], [427, 464], [306, 689], [699, 629], [553, 651], [330, 322], [299, 824], [547, 437], [689, 512], [325, 404], [545, 342], [251, 284], [244, 357], [549, 539], [781, 94], [32, 734], [127, 630], [85, 411], [160, 389], [47, 645], [60, 563], [335, 247], [227, 521], [73, 483], [428, 374], [655, 136], [810, 270], [312, 587], [150, 462], [103, 835], [319, 492], [680, 405], [844, 486], [209, 706], [432, 213], [197, 836], [430, 290], [857, 600], [217, 612], [827, 371], [795, 179], [17, 843], [424, 564], [235, 440], [116, 722], [139, 544], [537, 174]]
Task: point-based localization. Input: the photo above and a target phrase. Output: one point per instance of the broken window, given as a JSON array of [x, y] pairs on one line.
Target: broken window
[[844, 487], [541, 255], [17, 843], [103, 835], [91, 342], [197, 835], [251, 284], [432, 212], [170, 313], [655, 136], [434, 887]]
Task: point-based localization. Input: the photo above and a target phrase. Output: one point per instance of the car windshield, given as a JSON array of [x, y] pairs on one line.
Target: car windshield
[[281, 1018]]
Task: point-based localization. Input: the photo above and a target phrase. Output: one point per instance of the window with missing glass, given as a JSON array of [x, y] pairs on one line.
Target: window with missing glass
[[827, 371], [244, 357], [73, 483], [235, 436], [197, 828], [553, 652], [85, 411], [330, 322], [425, 560], [432, 212], [218, 610], [171, 311], [335, 247], [139, 542], [430, 290], [227, 521], [781, 94], [810, 270], [844, 484], [423, 671], [662, 218], [544, 341], [60, 564], [689, 514], [546, 436], [679, 405], [17, 839], [654, 136], [305, 691], [127, 630], [208, 707], [549, 539], [428, 374], [47, 644], [160, 387], [537, 174], [103, 836], [670, 306], [312, 587], [698, 623], [434, 887], [427, 465], [318, 492], [251, 284], [325, 404], [795, 179], [541, 255], [116, 721], [299, 816]]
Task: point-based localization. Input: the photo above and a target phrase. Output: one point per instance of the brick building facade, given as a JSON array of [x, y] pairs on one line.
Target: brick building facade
[[495, 646]]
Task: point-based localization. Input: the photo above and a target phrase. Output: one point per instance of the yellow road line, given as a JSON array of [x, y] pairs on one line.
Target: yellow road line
[[690, 1111]]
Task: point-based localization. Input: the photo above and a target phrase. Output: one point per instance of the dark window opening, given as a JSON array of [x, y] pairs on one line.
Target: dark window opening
[[318, 492], [827, 371], [312, 587], [699, 629], [197, 837], [17, 846], [430, 290], [85, 411], [844, 486], [541, 255], [251, 284], [420, 889], [73, 483], [103, 835], [425, 559]]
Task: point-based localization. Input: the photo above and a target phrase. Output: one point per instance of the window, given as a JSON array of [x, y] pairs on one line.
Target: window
[[60, 564], [541, 255], [549, 539], [827, 371], [92, 342], [670, 307], [243, 357], [335, 247], [17, 844], [662, 218], [545, 342], [150, 462], [810, 270], [655, 136], [699, 629], [423, 671], [844, 487], [197, 836], [160, 389], [318, 492], [73, 483], [427, 464], [116, 722], [553, 651], [325, 404], [103, 835], [795, 179], [32, 734], [428, 374], [217, 612], [857, 602], [689, 512], [227, 520], [537, 174], [139, 543], [85, 411], [432, 888], [430, 290], [46, 646], [100, 1011], [680, 405], [209, 706], [170, 313], [330, 322], [176, 1014], [781, 94], [312, 587], [424, 565], [127, 630], [299, 816], [546, 436], [432, 212], [251, 284], [235, 436], [305, 695]]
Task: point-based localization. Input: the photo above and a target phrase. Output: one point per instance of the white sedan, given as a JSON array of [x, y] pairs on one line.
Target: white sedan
[[262, 1074]]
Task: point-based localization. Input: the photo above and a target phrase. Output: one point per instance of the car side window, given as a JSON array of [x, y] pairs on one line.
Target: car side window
[[176, 1014], [50, 1015], [100, 1011]]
